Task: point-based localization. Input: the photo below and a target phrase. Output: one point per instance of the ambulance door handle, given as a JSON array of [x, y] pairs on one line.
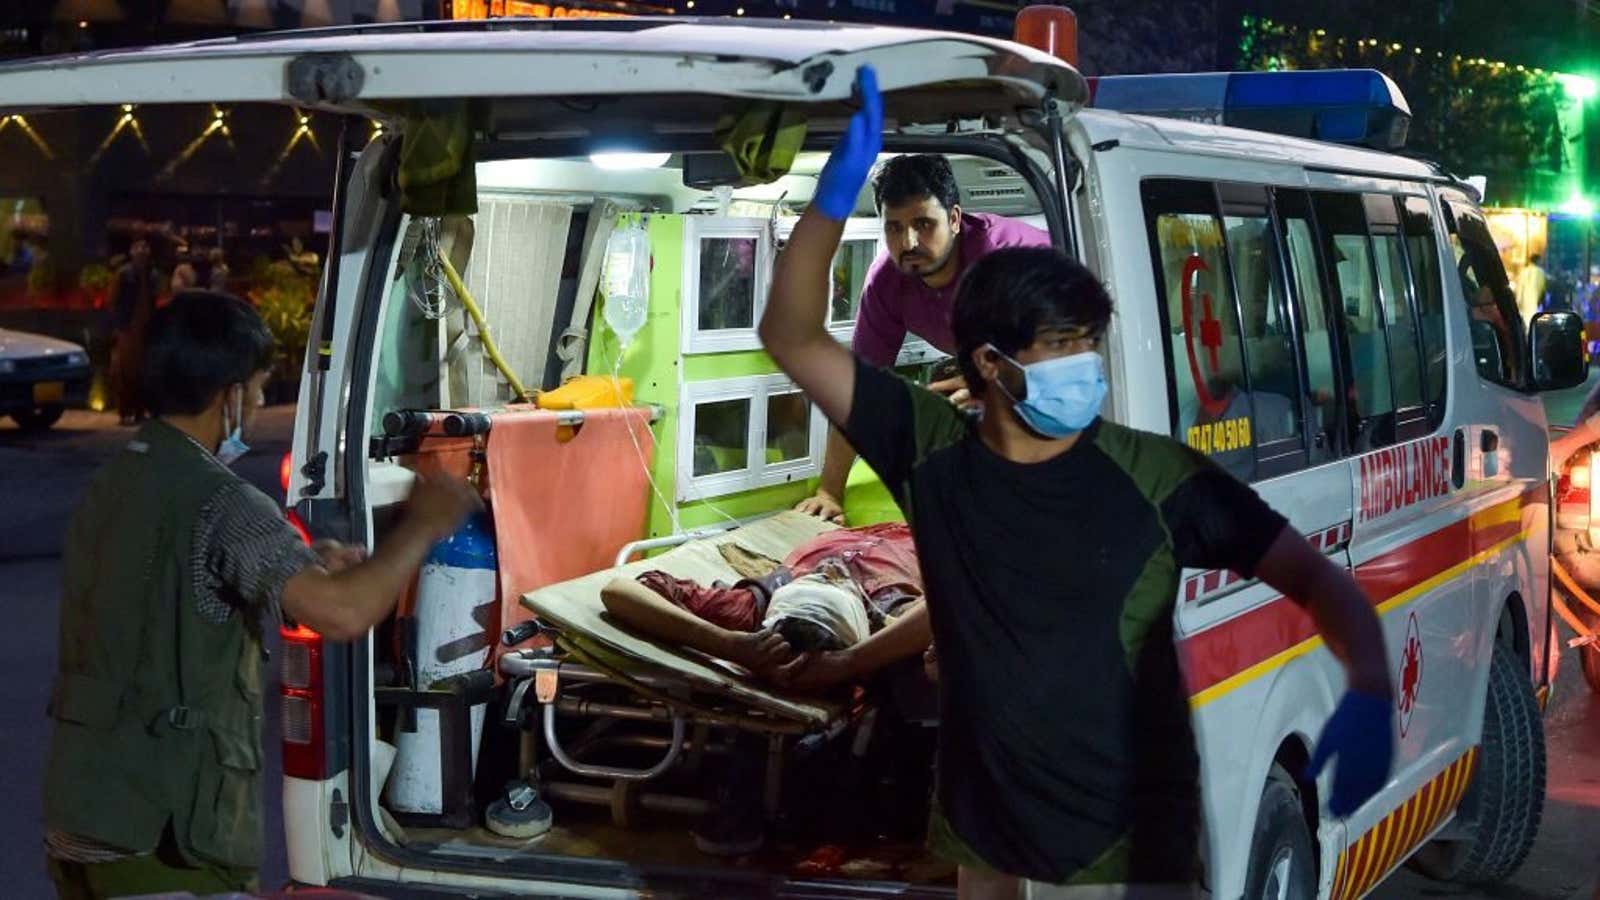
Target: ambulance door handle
[[1458, 460], [1489, 440]]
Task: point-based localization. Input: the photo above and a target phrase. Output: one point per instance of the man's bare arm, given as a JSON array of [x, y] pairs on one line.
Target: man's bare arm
[[647, 612], [1343, 614], [343, 605]]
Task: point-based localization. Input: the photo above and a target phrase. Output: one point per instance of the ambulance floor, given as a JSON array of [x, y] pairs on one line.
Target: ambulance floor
[[666, 841]]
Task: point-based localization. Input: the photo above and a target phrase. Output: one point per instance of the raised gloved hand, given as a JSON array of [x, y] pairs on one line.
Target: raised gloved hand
[[1361, 734], [852, 158]]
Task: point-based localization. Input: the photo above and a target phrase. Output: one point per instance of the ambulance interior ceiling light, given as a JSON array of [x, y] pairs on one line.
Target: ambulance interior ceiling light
[[1346, 106], [619, 160]]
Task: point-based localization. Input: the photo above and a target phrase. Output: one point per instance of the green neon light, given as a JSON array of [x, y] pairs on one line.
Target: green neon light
[[1578, 205], [1578, 87]]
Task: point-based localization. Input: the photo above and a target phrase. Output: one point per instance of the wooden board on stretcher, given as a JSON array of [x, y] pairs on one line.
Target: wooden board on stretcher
[[575, 607]]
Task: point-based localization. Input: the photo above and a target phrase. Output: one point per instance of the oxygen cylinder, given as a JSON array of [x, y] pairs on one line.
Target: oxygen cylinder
[[455, 617]]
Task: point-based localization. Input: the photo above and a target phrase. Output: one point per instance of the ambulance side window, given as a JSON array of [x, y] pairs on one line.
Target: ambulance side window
[[1399, 320], [1353, 275], [1299, 235], [1423, 250], [1227, 372], [1496, 326], [1268, 331]]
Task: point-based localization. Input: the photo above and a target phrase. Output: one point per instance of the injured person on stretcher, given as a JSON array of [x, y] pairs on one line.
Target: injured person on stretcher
[[829, 594]]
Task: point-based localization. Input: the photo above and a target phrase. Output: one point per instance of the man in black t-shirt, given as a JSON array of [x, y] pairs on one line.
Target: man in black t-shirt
[[1051, 544]]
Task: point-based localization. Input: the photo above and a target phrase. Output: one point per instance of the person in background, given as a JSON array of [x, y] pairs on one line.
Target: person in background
[[217, 278], [1067, 761], [184, 276], [173, 566], [929, 241], [1531, 285], [133, 300]]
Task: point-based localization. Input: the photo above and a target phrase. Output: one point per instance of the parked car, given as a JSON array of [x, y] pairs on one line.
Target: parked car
[[40, 377]]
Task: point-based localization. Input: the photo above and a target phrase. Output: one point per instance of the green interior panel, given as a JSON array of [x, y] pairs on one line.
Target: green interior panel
[[652, 359], [866, 500], [711, 366], [657, 367], [697, 514]]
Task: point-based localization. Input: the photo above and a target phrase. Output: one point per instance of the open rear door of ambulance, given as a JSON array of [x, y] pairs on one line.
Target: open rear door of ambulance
[[542, 87], [936, 84]]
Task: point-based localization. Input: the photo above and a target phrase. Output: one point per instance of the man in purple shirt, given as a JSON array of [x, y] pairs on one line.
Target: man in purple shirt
[[929, 242]]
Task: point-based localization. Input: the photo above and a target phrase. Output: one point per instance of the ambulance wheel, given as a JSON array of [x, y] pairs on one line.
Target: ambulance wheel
[[1507, 792], [1282, 864], [38, 419]]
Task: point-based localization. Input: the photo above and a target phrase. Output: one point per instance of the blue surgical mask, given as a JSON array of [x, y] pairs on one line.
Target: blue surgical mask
[[1062, 395], [233, 446]]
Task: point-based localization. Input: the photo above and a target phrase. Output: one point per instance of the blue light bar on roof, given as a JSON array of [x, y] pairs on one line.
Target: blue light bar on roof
[[1346, 106]]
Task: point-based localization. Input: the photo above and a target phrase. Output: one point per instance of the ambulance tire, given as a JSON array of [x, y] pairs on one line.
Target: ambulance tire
[[1507, 790], [1283, 865]]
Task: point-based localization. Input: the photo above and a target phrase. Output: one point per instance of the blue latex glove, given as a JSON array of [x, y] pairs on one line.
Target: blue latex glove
[[848, 166], [1361, 734]]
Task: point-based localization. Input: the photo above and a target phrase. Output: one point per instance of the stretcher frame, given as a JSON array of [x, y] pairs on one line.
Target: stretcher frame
[[691, 696]]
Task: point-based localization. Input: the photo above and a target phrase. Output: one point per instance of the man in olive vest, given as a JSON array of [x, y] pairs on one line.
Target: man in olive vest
[[171, 564]]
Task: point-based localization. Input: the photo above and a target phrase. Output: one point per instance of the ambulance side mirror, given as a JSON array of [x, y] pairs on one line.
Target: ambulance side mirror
[[1555, 341]]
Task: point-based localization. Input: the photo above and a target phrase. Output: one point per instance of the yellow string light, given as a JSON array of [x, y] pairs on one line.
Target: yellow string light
[[1495, 65]]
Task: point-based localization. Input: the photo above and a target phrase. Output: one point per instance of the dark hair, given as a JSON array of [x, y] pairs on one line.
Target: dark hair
[[196, 346], [905, 179], [1009, 296]]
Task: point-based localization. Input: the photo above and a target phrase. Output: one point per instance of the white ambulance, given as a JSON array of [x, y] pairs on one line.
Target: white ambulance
[[1327, 320]]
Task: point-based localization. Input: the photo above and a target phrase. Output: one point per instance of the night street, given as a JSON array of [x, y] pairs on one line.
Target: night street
[[44, 475]]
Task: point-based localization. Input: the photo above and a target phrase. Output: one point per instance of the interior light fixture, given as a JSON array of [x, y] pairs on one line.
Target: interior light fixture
[[621, 160]]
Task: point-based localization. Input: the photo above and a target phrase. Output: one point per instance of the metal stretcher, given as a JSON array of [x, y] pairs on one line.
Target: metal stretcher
[[684, 699]]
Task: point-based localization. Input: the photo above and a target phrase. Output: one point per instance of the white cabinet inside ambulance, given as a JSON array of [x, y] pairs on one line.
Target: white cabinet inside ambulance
[[1329, 322]]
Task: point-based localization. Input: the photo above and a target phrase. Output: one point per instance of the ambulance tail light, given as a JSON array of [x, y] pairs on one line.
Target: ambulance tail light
[[1052, 29], [300, 672], [1346, 106], [285, 471]]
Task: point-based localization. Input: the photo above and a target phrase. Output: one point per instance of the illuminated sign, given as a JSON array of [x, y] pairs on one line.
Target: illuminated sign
[[486, 9]]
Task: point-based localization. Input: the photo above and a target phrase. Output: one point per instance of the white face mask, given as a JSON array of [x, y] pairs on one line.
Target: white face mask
[[233, 446]]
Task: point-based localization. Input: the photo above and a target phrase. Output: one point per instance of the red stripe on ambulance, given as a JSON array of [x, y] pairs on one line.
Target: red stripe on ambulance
[[1228, 648]]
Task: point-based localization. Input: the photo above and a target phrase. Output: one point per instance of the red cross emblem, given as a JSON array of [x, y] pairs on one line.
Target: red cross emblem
[[1210, 334], [1410, 673]]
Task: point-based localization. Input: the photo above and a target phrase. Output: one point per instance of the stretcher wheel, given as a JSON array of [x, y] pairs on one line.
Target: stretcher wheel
[[624, 804]]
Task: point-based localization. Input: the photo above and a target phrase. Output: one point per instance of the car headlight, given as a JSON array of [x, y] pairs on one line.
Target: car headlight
[[7, 366], [77, 358]]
